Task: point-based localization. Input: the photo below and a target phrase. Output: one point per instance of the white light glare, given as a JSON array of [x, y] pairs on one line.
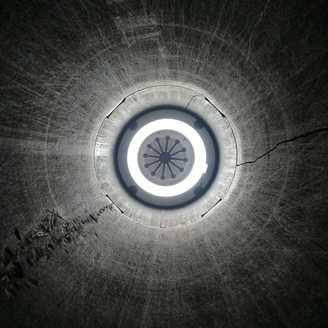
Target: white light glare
[[198, 169]]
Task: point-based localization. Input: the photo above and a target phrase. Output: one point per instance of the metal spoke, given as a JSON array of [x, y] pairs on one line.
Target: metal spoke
[[146, 156], [172, 174], [180, 159], [172, 147], [147, 165], [168, 165], [175, 165], [154, 172], [160, 147], [151, 147], [180, 151], [163, 174], [167, 141]]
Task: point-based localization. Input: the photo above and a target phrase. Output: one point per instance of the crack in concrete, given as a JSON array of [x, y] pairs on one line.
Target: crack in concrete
[[211, 208], [234, 137], [191, 100], [116, 107], [284, 142], [112, 203], [215, 107]]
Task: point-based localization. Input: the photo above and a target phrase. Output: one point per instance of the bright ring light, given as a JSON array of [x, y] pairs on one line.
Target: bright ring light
[[198, 169]]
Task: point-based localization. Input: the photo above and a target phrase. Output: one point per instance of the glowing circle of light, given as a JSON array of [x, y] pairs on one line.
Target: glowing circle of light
[[198, 169]]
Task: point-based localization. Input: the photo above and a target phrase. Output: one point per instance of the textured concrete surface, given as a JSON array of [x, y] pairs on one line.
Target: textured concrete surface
[[70, 258]]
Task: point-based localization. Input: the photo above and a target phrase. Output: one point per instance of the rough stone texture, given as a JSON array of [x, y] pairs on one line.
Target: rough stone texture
[[69, 258]]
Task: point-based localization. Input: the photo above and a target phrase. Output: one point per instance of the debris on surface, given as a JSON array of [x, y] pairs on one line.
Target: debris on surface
[[51, 233]]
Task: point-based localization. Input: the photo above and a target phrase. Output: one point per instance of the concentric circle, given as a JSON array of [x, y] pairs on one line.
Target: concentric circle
[[141, 173], [152, 186], [165, 158]]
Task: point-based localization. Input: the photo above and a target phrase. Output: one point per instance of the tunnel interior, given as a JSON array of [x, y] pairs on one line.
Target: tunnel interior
[[80, 249]]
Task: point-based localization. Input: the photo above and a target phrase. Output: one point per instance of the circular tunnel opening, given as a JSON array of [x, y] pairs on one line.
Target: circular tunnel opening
[[166, 157], [165, 147], [251, 251]]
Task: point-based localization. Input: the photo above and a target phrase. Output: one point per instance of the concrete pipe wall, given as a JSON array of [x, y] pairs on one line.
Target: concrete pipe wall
[[71, 256]]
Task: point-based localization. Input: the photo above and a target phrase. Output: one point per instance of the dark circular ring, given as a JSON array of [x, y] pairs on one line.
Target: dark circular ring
[[164, 174]]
